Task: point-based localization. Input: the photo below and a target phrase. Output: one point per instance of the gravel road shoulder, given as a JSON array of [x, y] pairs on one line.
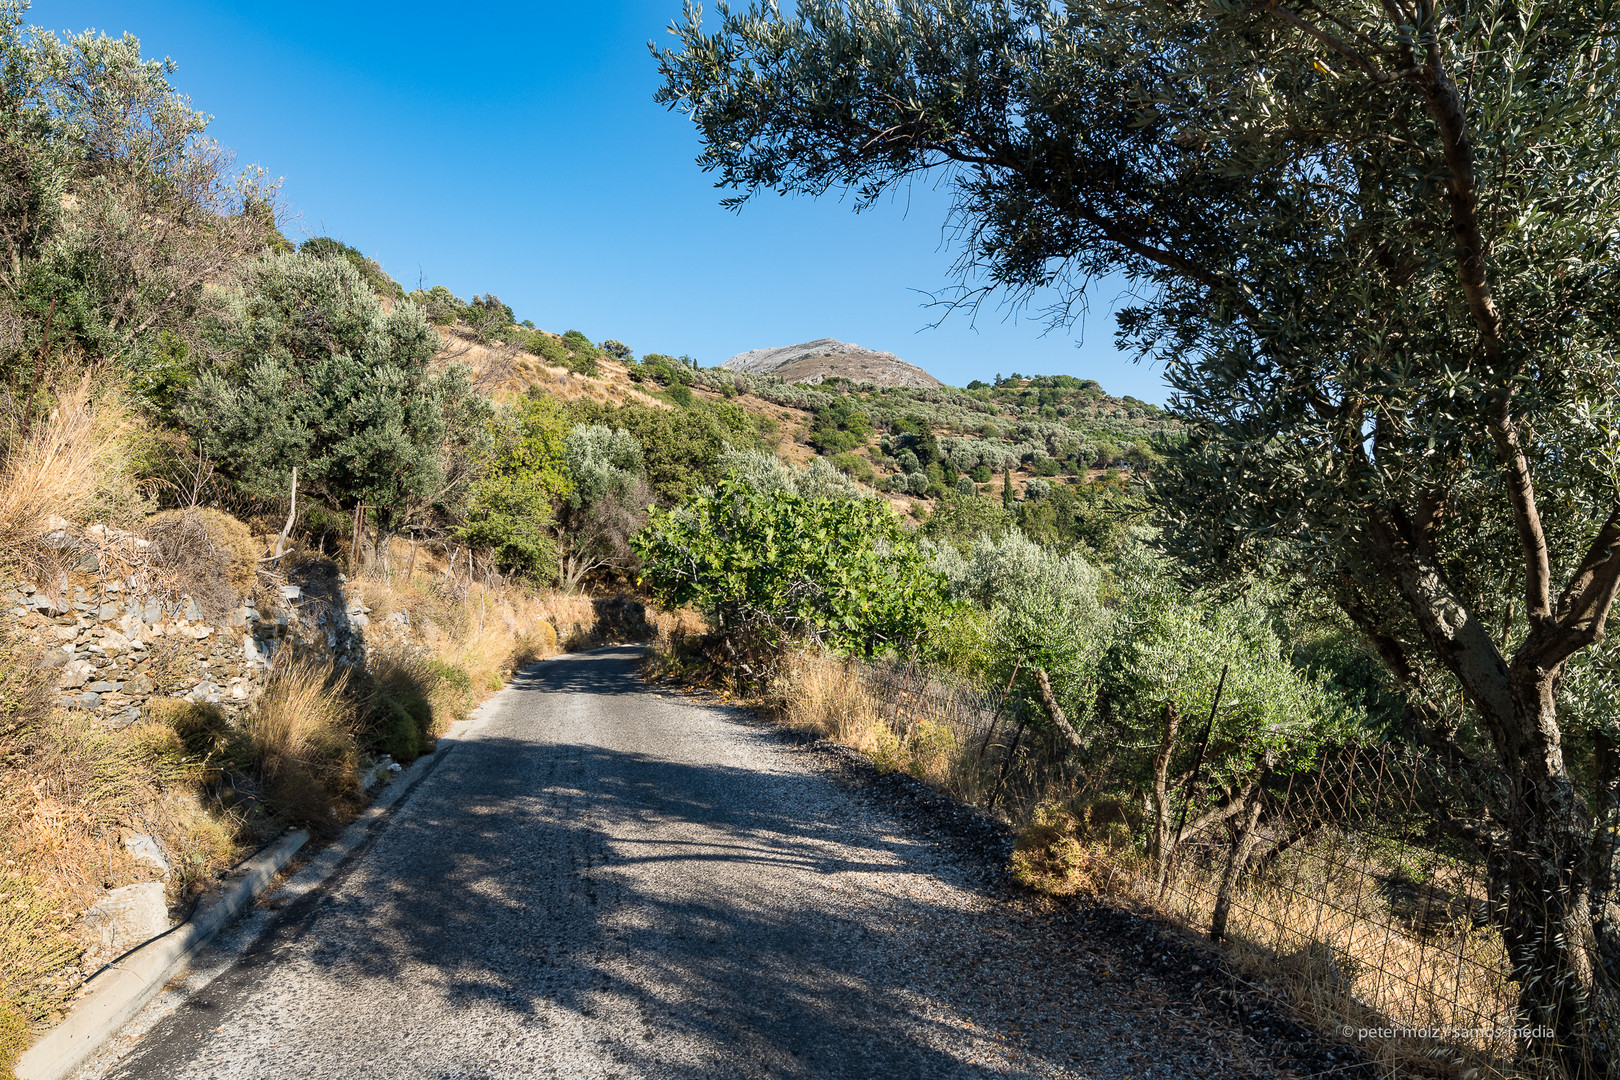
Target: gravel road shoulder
[[1085, 984]]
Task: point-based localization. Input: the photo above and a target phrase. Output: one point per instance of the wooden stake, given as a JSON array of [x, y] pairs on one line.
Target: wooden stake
[[292, 513], [1186, 798]]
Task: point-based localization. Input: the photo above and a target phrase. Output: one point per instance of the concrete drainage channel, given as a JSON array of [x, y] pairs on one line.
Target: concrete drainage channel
[[118, 992]]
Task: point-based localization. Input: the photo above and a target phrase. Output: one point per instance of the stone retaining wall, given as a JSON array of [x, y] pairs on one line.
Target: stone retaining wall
[[114, 647]]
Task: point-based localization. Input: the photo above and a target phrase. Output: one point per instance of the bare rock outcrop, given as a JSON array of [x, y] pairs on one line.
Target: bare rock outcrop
[[825, 358]]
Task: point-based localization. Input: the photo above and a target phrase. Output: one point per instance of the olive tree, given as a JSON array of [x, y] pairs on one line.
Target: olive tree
[[1374, 243], [116, 211], [307, 371], [607, 503]]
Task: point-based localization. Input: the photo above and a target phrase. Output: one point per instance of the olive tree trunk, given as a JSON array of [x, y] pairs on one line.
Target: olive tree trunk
[[1550, 859]]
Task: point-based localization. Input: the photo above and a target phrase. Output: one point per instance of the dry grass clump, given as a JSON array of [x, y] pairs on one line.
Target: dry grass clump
[[466, 641], [503, 630], [71, 462], [1061, 853], [821, 694], [298, 741], [70, 792], [572, 617], [35, 942], [206, 554], [818, 694]]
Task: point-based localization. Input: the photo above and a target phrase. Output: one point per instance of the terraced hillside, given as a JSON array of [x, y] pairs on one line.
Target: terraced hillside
[[915, 444]]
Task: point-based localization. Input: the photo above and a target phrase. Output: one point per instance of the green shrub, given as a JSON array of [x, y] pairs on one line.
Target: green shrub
[[371, 271], [486, 320], [767, 568], [838, 427], [452, 676], [855, 465], [311, 373], [683, 448], [441, 306], [396, 704], [510, 506], [584, 364]]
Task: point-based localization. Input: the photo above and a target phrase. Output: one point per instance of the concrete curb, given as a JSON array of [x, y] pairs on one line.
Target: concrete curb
[[117, 994], [361, 829]]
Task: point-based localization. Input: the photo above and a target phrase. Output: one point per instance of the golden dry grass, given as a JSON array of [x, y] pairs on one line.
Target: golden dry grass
[[298, 738], [507, 372], [1051, 857], [819, 693], [68, 463], [1319, 925], [464, 639], [827, 698], [70, 792]]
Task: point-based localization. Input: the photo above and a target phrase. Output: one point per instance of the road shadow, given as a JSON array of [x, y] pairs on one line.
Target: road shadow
[[685, 909]]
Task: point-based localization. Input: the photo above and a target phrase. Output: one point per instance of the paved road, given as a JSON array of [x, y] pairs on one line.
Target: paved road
[[601, 881]]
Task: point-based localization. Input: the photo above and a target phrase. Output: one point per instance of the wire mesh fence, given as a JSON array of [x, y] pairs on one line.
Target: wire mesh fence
[[1330, 878]]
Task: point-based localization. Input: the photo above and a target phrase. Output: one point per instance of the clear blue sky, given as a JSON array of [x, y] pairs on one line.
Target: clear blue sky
[[515, 148]]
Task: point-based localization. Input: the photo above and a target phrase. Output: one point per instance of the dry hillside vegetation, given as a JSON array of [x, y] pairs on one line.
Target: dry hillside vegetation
[[506, 371]]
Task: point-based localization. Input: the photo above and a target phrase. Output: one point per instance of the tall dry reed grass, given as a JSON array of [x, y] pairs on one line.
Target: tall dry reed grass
[[72, 462], [298, 740]]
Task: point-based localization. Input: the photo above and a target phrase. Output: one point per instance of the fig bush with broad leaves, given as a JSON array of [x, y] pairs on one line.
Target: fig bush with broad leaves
[[1374, 245], [769, 568]]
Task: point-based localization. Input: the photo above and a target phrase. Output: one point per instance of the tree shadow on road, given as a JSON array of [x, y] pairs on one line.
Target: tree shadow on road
[[697, 919]]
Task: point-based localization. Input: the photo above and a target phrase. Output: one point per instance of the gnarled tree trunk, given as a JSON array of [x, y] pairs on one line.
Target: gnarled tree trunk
[[1550, 866]]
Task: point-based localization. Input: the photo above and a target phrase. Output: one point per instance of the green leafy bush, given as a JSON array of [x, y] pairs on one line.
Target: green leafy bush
[[962, 518], [683, 447], [839, 427], [855, 465], [510, 508], [771, 568]]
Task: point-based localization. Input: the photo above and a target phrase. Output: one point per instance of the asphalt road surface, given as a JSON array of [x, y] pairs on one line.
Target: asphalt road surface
[[603, 881]]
